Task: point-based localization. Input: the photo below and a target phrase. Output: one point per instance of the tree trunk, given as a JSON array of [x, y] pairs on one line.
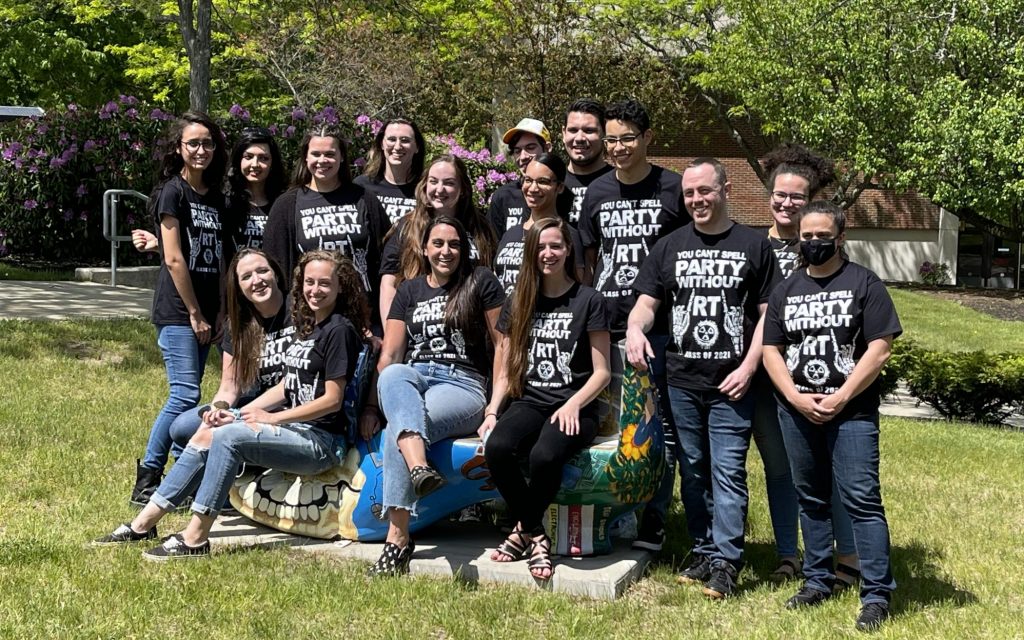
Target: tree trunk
[[194, 24]]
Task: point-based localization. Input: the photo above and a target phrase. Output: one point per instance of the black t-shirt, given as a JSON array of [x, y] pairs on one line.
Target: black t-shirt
[[277, 331], [508, 207], [826, 325], [329, 353], [577, 185], [201, 238], [559, 361], [429, 339], [391, 257], [347, 219], [623, 221], [712, 286], [786, 252], [509, 257], [245, 227], [396, 199]]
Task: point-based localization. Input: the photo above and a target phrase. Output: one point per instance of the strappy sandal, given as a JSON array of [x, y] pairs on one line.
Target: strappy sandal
[[393, 560], [425, 480], [847, 577], [515, 547], [540, 557], [787, 570]]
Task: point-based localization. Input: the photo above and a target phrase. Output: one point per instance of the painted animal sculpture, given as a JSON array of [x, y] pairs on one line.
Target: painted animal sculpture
[[602, 483]]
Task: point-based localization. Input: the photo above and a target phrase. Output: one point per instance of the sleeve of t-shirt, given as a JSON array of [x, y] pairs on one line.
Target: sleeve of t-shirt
[[770, 273], [279, 234], [171, 201], [577, 249], [597, 319], [503, 317], [648, 280], [390, 257], [774, 332], [880, 317], [672, 202], [491, 293], [588, 233], [400, 304], [496, 212], [380, 223], [341, 351]]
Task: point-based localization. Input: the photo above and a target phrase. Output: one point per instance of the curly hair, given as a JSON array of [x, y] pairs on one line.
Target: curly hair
[[351, 301], [796, 159]]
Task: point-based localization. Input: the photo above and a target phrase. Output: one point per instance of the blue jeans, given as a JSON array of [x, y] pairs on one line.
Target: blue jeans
[[185, 361], [293, 448], [714, 436], [188, 422], [433, 400], [845, 453]]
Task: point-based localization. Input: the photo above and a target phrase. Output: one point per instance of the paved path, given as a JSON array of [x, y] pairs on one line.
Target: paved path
[[59, 300]]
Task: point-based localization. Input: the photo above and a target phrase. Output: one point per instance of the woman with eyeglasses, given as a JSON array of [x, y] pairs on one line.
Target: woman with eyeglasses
[[543, 188], [189, 209], [395, 166], [795, 176]]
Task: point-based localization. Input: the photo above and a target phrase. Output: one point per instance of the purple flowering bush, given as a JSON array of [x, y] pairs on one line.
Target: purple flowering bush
[[54, 170], [934, 274]]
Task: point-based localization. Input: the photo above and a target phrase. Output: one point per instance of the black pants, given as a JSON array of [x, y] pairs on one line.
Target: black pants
[[525, 434]]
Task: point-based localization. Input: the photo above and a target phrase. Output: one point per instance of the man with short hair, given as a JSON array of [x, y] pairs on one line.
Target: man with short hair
[[623, 213], [527, 140], [581, 134], [713, 277]]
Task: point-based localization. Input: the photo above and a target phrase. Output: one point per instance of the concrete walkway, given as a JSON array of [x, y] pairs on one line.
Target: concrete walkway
[[43, 300]]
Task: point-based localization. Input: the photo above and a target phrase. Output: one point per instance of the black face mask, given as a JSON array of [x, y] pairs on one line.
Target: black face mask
[[817, 252]]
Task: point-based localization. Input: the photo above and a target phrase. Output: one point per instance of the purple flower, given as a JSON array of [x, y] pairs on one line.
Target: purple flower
[[81, 190], [42, 129], [68, 214], [156, 114], [12, 150], [34, 153], [33, 169], [30, 204], [360, 162], [83, 216], [494, 176], [327, 115], [123, 135], [72, 107], [298, 114], [132, 113], [500, 158], [363, 120], [136, 146], [375, 126], [89, 145], [129, 100], [480, 184], [237, 111], [57, 163], [272, 129], [104, 115], [289, 132]]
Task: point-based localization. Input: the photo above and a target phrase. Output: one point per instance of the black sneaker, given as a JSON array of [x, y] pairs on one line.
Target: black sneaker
[[651, 536], [722, 582], [698, 571], [174, 548], [124, 534], [807, 597], [872, 615]]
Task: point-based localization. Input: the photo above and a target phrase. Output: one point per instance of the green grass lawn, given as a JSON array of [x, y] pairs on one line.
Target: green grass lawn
[[943, 325], [76, 403], [14, 272]]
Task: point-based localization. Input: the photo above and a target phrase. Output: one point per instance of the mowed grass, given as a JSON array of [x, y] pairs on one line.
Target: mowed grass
[[12, 272], [76, 403], [944, 325]]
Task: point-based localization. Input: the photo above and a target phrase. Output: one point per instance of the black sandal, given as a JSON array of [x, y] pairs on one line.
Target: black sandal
[[393, 560], [846, 578], [425, 480], [515, 547], [787, 570], [540, 556]]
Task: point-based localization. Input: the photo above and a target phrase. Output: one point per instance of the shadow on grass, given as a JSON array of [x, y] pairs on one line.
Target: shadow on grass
[[920, 582], [121, 344]]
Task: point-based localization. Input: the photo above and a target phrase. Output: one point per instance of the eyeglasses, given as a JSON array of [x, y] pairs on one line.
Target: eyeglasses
[[193, 145], [795, 198], [626, 141], [543, 183]]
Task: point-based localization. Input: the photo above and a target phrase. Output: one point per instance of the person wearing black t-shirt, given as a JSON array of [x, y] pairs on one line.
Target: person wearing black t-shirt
[[553, 363], [188, 209], [433, 374], [622, 215], [395, 166], [302, 436], [258, 330], [527, 140], [543, 183], [444, 190], [828, 332], [582, 134], [713, 277], [324, 210]]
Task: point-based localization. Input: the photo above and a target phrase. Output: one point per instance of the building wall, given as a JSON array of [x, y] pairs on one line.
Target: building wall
[[896, 254]]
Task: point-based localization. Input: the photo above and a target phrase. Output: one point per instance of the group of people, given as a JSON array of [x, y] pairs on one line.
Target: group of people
[[512, 325]]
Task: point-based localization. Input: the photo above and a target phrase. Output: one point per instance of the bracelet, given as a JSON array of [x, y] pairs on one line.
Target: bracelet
[[490, 414]]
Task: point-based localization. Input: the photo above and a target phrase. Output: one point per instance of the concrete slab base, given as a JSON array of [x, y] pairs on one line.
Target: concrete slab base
[[143, 277], [461, 551]]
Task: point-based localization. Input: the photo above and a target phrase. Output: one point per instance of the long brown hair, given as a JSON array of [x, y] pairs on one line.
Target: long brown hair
[[417, 220], [375, 163], [244, 320], [301, 175], [351, 301], [524, 300]]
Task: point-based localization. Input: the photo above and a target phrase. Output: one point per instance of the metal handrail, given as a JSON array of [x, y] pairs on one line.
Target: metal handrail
[[111, 198]]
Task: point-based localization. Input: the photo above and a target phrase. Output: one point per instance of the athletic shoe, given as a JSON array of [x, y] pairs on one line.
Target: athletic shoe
[[124, 534], [698, 571], [651, 536], [807, 597], [722, 582], [174, 548], [872, 615]]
